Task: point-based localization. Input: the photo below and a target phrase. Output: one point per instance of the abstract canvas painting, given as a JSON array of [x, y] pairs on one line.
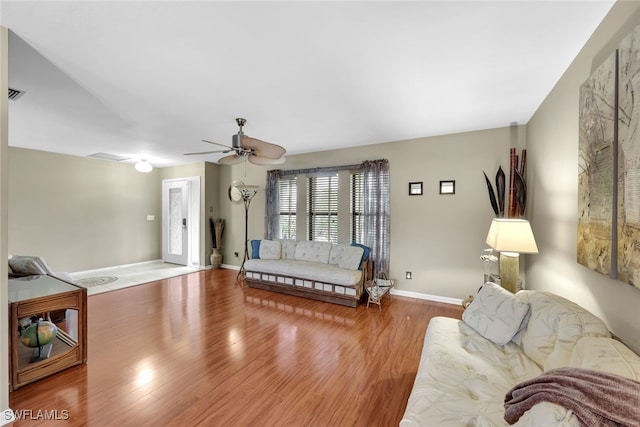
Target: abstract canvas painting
[[628, 206], [596, 168]]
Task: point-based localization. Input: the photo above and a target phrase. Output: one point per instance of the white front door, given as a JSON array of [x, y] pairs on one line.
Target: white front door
[[175, 222]]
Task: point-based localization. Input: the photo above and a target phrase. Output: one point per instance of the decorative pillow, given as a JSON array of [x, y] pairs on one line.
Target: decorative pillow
[[29, 265], [255, 249], [270, 249], [288, 248], [351, 257], [495, 313]]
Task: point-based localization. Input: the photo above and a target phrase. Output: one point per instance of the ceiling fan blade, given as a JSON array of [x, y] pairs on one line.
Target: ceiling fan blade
[[207, 152], [233, 159], [263, 149], [217, 143], [256, 160]]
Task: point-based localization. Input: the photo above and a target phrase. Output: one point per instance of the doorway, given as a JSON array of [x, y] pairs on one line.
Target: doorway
[[181, 221]]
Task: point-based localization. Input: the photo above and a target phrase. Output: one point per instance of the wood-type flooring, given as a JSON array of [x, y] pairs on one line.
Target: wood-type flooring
[[203, 350]]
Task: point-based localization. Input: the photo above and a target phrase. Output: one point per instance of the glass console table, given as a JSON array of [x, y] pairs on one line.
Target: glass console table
[[50, 299]]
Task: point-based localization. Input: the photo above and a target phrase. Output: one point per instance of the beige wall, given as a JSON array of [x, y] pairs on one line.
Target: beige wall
[[552, 139], [81, 214], [438, 238]]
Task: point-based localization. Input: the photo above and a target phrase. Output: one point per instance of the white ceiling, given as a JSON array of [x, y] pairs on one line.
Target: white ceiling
[[151, 79]]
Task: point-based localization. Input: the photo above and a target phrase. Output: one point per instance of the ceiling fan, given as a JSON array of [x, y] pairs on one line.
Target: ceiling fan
[[246, 148]]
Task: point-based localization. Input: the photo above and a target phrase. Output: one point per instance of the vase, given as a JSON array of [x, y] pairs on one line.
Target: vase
[[216, 258]]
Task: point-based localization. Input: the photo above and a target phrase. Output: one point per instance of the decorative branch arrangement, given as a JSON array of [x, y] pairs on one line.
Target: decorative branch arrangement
[[517, 188], [217, 228]]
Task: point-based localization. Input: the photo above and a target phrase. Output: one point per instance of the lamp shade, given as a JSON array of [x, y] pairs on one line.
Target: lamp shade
[[511, 235]]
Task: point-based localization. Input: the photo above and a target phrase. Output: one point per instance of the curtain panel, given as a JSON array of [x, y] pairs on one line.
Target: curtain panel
[[272, 211], [377, 213]]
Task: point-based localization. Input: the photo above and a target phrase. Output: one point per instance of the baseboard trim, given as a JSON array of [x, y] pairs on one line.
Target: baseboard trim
[[428, 297], [230, 266]]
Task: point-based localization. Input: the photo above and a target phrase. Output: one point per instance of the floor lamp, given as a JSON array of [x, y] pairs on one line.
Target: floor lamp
[[511, 237], [239, 191]]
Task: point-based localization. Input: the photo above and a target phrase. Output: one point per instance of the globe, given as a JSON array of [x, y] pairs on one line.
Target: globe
[[46, 331]]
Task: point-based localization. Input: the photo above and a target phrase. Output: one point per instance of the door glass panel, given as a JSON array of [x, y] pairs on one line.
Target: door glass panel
[[175, 221]]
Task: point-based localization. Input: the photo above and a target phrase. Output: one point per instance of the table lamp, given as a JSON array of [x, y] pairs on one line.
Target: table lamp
[[511, 237]]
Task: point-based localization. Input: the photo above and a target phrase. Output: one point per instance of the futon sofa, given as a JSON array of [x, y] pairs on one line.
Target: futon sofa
[[522, 359], [323, 271]]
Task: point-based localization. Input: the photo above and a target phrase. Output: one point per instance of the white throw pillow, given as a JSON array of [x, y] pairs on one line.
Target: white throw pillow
[[351, 256], [270, 249], [495, 313]]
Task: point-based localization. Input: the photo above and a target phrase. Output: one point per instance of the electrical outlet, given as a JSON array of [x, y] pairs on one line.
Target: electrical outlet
[[407, 275]]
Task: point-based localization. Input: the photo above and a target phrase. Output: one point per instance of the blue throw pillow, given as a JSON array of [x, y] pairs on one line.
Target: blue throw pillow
[[255, 249], [365, 253]]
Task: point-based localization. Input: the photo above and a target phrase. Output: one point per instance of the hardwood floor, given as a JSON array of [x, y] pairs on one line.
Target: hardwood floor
[[201, 349]]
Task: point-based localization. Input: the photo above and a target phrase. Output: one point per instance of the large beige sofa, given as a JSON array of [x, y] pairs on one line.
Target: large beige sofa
[[505, 342], [319, 270]]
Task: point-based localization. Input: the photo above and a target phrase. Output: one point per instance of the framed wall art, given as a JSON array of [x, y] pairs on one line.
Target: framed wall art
[[415, 188], [447, 187]]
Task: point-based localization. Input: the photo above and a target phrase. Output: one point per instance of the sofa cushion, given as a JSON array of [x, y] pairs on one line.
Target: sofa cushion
[[337, 252], [462, 377], [270, 249], [554, 326], [606, 354], [288, 248], [308, 270], [495, 313], [351, 258], [313, 251]]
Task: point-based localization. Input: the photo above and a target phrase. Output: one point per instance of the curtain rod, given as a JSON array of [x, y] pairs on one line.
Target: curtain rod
[[320, 169]]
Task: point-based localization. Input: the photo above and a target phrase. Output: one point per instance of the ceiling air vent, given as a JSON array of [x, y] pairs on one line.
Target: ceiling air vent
[[15, 94], [107, 156]]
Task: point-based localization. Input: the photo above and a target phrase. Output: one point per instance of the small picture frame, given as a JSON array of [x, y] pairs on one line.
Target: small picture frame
[[447, 187], [415, 188]]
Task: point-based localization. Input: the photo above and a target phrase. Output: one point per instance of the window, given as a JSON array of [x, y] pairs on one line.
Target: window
[[322, 208], [287, 190], [356, 203], [331, 209]]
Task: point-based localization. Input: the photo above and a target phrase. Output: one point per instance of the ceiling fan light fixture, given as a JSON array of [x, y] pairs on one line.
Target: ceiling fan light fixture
[[143, 166]]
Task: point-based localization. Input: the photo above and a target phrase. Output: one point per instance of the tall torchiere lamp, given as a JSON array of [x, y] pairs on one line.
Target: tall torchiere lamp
[[240, 192], [511, 237]]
